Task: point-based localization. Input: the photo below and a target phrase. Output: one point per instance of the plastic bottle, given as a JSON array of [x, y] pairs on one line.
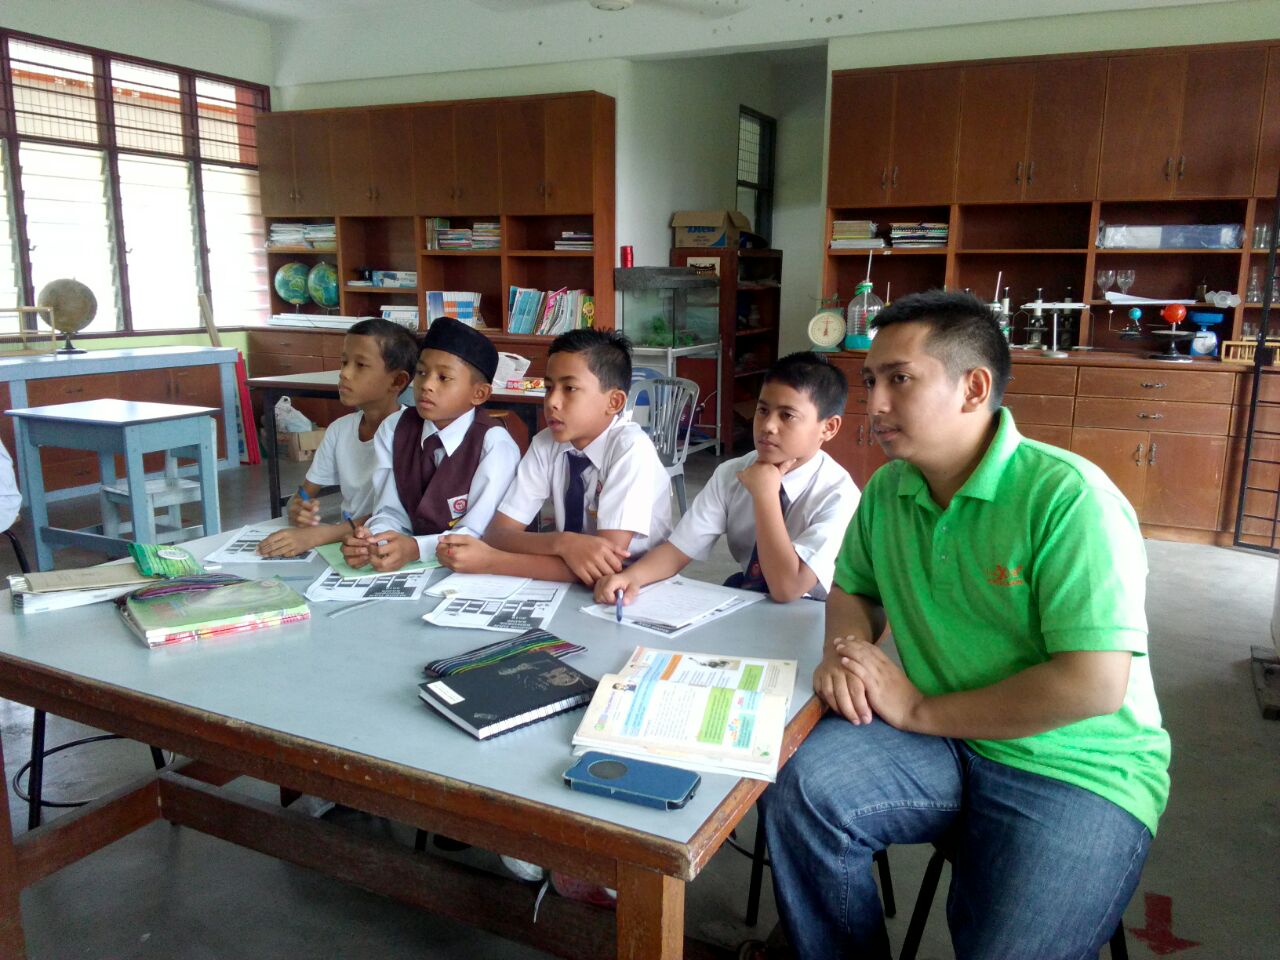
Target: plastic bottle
[[859, 314]]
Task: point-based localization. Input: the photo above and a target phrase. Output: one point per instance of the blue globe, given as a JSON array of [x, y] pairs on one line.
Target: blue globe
[[322, 284], [291, 283]]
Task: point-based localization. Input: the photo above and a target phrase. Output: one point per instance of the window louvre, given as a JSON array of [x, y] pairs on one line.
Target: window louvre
[[10, 282], [237, 258], [226, 118], [148, 108], [69, 223], [158, 210]]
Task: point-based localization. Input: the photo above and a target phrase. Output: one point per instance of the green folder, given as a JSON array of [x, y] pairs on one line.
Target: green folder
[[332, 554]]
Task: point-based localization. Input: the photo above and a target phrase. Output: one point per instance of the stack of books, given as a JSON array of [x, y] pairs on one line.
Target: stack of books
[[548, 312], [406, 316], [486, 235], [463, 305], [918, 234], [318, 236], [855, 235], [575, 240], [198, 607], [433, 227]]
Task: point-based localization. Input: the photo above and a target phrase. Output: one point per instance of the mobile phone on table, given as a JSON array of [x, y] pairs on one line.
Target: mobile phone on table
[[636, 781]]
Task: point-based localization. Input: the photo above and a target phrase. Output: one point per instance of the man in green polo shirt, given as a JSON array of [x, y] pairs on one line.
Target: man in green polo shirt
[[1022, 724]]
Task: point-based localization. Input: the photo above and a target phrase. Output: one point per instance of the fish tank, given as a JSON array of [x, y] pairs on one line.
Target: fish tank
[[668, 307]]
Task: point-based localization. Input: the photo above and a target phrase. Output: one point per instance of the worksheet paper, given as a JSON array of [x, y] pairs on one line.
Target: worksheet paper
[[675, 606], [397, 585], [533, 605], [243, 547], [478, 586]]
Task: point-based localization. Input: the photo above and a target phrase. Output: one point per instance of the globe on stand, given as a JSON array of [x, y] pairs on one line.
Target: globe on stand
[[71, 307], [290, 282], [322, 284]]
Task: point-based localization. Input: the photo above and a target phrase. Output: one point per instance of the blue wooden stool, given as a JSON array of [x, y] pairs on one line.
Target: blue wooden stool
[[110, 428]]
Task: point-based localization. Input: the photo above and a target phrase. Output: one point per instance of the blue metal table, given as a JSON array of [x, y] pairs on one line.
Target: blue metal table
[[110, 428]]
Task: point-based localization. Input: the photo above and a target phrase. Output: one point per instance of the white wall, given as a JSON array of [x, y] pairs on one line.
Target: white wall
[[800, 198], [171, 31]]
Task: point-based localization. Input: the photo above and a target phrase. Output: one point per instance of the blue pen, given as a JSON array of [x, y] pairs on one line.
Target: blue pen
[[347, 517], [303, 494], [618, 594]]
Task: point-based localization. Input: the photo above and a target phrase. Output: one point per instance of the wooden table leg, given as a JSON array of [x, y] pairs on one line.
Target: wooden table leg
[[650, 915], [12, 942]]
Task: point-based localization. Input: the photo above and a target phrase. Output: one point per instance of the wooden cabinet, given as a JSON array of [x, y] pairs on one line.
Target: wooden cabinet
[[1030, 131], [919, 163], [1267, 177], [857, 171], [294, 164], [1182, 124], [456, 159], [1171, 479], [372, 152], [554, 174]]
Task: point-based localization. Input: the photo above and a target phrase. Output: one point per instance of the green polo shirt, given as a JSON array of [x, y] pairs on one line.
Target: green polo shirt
[[1038, 553]]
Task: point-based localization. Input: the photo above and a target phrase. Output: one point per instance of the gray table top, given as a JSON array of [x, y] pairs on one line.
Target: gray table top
[[44, 366], [351, 682], [112, 412]]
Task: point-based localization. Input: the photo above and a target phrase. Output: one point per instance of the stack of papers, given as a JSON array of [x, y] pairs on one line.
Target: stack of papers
[[463, 305], [674, 606], [855, 235], [63, 589], [575, 240], [533, 605], [918, 234], [243, 547]]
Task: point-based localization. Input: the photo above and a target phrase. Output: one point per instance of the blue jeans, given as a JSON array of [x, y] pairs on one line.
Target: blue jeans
[[1043, 868]]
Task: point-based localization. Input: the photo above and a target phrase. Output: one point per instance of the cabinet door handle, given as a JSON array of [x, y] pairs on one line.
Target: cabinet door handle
[[1017, 173], [377, 194], [884, 177], [1137, 455], [1151, 457], [459, 193], [1031, 171], [368, 193], [1153, 386], [1150, 416], [861, 433], [1168, 168], [894, 181], [1182, 166]]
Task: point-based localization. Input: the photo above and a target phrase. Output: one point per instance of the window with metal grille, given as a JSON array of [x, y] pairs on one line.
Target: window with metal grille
[[756, 136], [137, 178]]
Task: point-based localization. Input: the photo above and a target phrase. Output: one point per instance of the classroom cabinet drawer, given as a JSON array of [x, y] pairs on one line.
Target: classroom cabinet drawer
[[1208, 418], [95, 386], [272, 365], [286, 342], [331, 345], [1201, 386], [1057, 436], [1031, 408], [1042, 378]]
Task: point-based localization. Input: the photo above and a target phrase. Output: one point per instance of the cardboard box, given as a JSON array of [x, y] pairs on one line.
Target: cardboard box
[[708, 228], [299, 446]]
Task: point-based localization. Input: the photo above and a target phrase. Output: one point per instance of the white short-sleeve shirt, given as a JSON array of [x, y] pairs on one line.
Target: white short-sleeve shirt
[[627, 487], [822, 499], [473, 508], [346, 461]]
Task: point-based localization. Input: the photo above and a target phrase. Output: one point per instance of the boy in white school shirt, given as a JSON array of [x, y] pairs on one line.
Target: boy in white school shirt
[[377, 363], [445, 464], [610, 492], [784, 506]]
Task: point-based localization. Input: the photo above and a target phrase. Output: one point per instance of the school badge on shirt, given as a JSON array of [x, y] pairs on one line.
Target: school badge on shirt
[[457, 508]]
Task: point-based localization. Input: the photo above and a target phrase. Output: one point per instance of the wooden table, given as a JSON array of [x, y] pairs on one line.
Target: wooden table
[[330, 710], [324, 384], [110, 428]]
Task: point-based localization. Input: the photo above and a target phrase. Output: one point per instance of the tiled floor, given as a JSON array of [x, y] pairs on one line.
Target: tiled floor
[[172, 893]]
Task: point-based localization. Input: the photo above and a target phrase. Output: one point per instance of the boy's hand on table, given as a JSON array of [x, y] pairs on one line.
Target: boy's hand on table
[[591, 558], [840, 689], [890, 693], [607, 589], [764, 479], [304, 513], [391, 550], [355, 548], [287, 543], [463, 554]]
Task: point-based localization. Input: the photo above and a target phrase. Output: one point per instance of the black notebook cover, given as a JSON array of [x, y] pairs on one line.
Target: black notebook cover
[[510, 693]]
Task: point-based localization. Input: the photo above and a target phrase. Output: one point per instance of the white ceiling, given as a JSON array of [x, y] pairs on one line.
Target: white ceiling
[[317, 40]]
